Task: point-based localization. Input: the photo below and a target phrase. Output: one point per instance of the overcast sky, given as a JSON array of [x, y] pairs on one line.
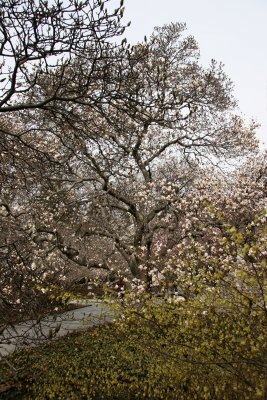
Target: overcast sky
[[231, 31]]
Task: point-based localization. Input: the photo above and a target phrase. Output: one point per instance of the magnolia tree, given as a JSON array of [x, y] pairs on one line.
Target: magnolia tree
[[135, 156]]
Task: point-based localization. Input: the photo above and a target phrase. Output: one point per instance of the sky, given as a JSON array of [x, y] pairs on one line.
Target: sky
[[233, 32]]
